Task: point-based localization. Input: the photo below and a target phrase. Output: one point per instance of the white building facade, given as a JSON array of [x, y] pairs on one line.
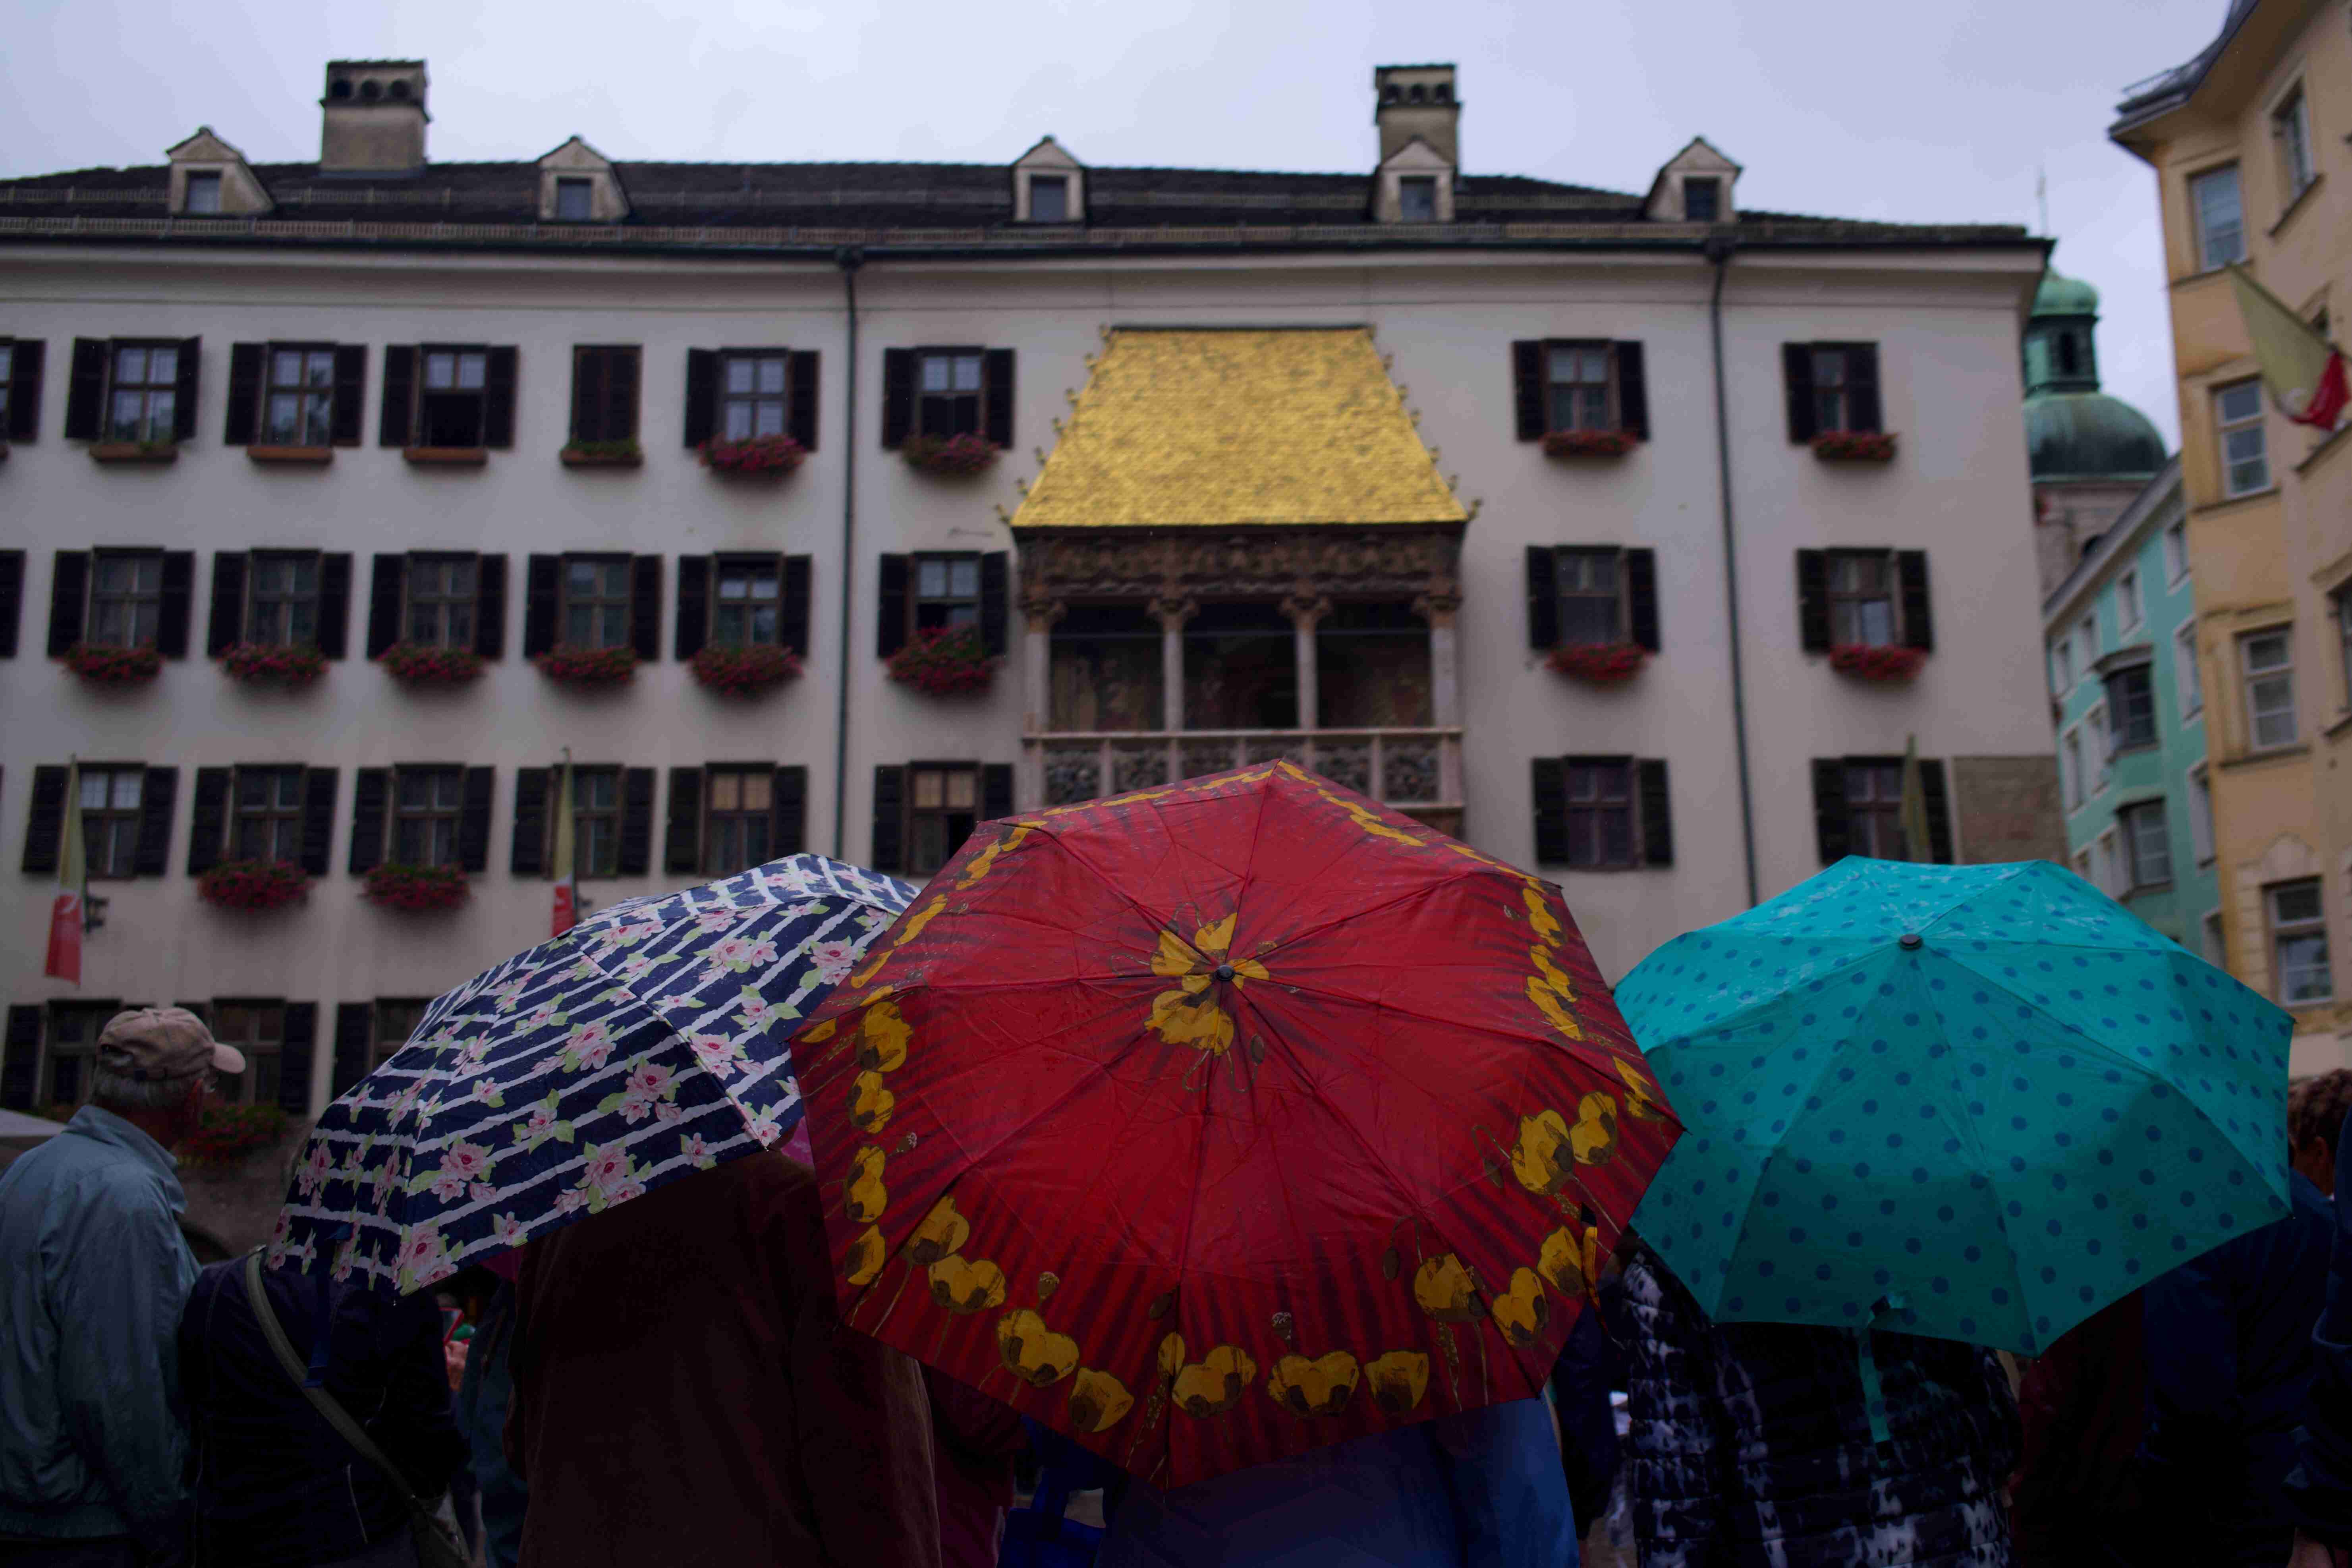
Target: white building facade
[[393, 402]]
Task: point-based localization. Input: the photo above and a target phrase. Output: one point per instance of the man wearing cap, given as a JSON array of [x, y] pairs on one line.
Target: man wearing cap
[[93, 1275]]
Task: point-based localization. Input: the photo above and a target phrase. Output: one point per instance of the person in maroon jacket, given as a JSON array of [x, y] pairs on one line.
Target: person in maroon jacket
[[973, 1439], [684, 1392]]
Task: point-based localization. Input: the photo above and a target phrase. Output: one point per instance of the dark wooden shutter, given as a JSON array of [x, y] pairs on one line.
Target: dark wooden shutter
[[792, 619], [86, 390], [890, 629], [636, 821], [800, 370], [995, 791], [371, 793], [1657, 813], [334, 603], [996, 395], [156, 797], [701, 395], [25, 391], [226, 628], [179, 592], [296, 1051], [490, 606], [790, 797], [12, 599], [354, 1029], [20, 1062], [318, 819], [542, 598], [45, 821], [387, 581], [1549, 781], [1863, 412], [1642, 598], [474, 819], [995, 600], [351, 393], [528, 857], [1632, 392], [245, 365], [897, 395], [1543, 597], [682, 840], [69, 599], [1527, 387], [590, 367], [890, 817], [693, 604], [183, 398], [1938, 798], [208, 820], [498, 400], [399, 396], [1918, 616], [644, 606], [1797, 371], [1813, 600], [1833, 829], [621, 385]]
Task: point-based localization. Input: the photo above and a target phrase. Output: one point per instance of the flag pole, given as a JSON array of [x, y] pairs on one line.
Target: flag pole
[[565, 866]]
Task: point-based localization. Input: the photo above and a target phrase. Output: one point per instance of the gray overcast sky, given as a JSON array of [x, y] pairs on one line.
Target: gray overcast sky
[[1847, 107]]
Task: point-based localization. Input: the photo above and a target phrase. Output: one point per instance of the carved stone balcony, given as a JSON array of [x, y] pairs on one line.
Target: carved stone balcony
[[1416, 771]]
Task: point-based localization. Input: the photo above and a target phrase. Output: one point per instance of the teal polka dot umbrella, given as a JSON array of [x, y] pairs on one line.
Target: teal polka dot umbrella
[[1975, 1102]]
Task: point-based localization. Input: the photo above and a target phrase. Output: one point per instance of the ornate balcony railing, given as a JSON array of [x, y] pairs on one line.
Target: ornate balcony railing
[[1415, 769]]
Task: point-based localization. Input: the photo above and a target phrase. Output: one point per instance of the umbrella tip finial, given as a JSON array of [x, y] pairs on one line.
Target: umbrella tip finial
[[1224, 972], [1910, 941]]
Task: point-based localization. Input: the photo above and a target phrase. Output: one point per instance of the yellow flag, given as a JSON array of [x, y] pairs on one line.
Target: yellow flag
[[70, 904], [567, 878], [2305, 372], [1916, 844]]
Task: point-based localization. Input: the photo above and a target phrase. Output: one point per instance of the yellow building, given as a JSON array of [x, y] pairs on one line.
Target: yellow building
[[2251, 145]]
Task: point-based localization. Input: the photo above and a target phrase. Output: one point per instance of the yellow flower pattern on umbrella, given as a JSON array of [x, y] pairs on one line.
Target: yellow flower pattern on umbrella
[[1445, 1290], [866, 1255], [882, 1036], [870, 1102], [1033, 1352], [1552, 993], [1640, 1093], [1399, 1379], [1562, 1261], [1540, 915], [965, 1285], [985, 861], [1193, 1014], [1321, 1386], [943, 1231], [1522, 1311], [1098, 1401], [1593, 1139], [1215, 1382], [1540, 1159], [864, 1197]]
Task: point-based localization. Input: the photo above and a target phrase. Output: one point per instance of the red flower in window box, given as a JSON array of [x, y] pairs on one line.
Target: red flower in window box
[[1588, 443], [745, 671], [757, 455], [953, 454], [1605, 664], [1871, 661], [1855, 447], [430, 664], [297, 664], [230, 1133], [588, 665], [417, 887], [105, 665], [253, 885], [945, 661]]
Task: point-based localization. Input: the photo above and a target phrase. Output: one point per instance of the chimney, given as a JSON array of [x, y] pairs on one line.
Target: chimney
[[1417, 101], [374, 118]]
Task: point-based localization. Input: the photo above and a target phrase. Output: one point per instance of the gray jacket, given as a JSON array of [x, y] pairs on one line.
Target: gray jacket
[[93, 1274]]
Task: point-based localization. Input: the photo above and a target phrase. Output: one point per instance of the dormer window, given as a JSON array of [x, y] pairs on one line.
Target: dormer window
[[1049, 198], [1702, 200], [1417, 196], [574, 200], [204, 192]]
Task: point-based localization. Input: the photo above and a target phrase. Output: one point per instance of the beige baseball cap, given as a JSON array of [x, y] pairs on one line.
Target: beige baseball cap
[[153, 1045]]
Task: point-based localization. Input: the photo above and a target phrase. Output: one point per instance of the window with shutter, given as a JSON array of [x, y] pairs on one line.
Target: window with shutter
[[426, 805], [738, 821], [1579, 385], [143, 383], [20, 388], [257, 1030], [604, 396], [298, 395], [126, 599], [452, 392], [12, 599], [1832, 388], [942, 808]]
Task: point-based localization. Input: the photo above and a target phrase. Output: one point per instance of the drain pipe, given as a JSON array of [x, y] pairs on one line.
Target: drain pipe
[[1718, 250], [849, 258]]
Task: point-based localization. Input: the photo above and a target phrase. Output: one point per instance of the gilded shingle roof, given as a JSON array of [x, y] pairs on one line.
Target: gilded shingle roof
[[1237, 428]]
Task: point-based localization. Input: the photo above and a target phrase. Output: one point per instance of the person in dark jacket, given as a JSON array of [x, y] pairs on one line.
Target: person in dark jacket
[[1581, 1380], [482, 1400], [2083, 1405], [276, 1487], [973, 1441], [1752, 1442], [2319, 1489]]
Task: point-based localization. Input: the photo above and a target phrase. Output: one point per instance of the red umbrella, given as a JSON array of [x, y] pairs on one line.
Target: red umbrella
[[1214, 1122]]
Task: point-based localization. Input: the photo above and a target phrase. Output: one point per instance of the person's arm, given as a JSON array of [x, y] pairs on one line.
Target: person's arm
[[122, 1275], [1510, 1496], [1677, 1466], [415, 1428]]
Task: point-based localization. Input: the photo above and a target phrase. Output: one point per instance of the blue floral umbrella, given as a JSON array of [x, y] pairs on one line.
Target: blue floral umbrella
[[646, 1043], [1974, 1102]]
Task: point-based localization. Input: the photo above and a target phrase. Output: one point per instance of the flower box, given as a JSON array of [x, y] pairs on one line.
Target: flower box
[[745, 671], [104, 666], [230, 1133], [253, 885], [134, 451], [945, 661], [758, 457], [416, 889], [1855, 447], [1588, 443], [446, 457], [297, 664], [603, 455], [588, 665], [954, 455], [428, 664], [1865, 661], [294, 455], [1604, 663]]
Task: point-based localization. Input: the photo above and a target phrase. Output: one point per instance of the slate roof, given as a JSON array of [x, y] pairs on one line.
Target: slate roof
[[1238, 429]]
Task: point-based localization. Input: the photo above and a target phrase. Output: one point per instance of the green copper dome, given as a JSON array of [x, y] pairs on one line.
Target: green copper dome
[[2062, 296], [2089, 435]]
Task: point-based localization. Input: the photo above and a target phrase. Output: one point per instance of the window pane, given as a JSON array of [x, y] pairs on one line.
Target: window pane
[[967, 372], [936, 370], [126, 789], [771, 375], [470, 372], [1048, 198], [756, 793], [2299, 901], [962, 791], [726, 790], [770, 420], [162, 365], [130, 366]]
